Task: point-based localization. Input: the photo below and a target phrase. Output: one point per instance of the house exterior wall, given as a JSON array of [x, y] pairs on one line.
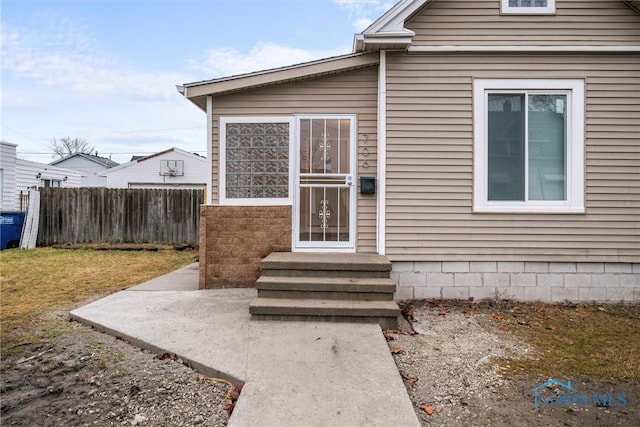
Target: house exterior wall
[[479, 22], [89, 169], [8, 200], [439, 247], [27, 172], [429, 205], [353, 92], [234, 239], [146, 173]]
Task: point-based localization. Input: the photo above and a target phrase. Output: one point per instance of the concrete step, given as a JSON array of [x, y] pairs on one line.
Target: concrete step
[[379, 289], [383, 312], [300, 264]]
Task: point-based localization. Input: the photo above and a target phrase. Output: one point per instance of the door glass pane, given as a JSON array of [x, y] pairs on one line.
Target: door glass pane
[[324, 214], [324, 146], [547, 147], [506, 161]]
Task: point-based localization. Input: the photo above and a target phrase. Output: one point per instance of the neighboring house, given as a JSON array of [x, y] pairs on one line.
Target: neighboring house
[[37, 175], [172, 168], [8, 200], [90, 166], [503, 138], [19, 176]]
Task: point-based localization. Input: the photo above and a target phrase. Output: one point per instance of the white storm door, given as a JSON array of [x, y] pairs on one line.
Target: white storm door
[[324, 208]]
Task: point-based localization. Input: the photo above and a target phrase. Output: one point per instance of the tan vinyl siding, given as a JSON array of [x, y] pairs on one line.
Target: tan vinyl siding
[[585, 22], [430, 162], [353, 92]]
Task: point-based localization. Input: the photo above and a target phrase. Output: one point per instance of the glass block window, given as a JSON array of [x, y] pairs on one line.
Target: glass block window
[[255, 159], [528, 6]]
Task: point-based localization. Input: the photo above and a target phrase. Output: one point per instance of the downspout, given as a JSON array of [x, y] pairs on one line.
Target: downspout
[[209, 193], [382, 155]]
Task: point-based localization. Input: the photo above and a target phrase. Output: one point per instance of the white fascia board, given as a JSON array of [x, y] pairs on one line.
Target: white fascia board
[[395, 17], [526, 48], [390, 26], [401, 38]]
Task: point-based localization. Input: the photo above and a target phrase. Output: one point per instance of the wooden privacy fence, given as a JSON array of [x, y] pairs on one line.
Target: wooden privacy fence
[[114, 215]]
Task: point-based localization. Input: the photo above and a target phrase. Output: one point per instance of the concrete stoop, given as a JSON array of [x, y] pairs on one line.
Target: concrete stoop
[[326, 287]]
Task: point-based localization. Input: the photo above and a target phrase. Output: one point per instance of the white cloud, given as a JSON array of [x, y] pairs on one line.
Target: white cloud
[[364, 12], [263, 56], [60, 56]]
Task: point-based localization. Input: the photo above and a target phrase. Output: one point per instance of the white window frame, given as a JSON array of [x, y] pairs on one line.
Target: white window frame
[[52, 183], [550, 9], [222, 161], [574, 202]]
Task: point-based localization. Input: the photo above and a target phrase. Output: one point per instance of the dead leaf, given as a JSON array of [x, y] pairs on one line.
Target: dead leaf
[[408, 381], [428, 409], [551, 328], [442, 313], [165, 356], [229, 408], [407, 312], [388, 336], [397, 350], [467, 313], [498, 317], [234, 394]]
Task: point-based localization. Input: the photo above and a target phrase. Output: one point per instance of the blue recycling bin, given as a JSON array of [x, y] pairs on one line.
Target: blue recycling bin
[[10, 229]]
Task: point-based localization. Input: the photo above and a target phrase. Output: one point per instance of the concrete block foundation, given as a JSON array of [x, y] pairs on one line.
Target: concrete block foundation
[[522, 281]]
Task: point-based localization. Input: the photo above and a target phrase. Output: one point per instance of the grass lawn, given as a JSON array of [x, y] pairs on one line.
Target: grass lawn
[[36, 284], [575, 341]]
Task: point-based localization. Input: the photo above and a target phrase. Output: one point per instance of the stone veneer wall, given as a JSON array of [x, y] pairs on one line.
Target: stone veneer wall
[[234, 239], [522, 281]]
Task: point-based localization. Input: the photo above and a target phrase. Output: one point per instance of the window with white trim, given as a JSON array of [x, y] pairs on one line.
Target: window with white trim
[[525, 7], [255, 160], [46, 183], [529, 146]]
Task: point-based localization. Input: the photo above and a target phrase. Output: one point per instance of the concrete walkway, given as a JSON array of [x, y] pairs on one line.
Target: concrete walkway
[[295, 373]]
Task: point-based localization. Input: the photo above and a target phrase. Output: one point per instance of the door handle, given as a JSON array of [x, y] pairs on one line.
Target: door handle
[[348, 180]]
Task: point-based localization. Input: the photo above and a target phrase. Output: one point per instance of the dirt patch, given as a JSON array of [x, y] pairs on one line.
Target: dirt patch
[[88, 378], [123, 247], [456, 367]]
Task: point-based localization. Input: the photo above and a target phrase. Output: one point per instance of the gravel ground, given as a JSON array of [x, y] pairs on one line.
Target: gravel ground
[[451, 365], [87, 378]]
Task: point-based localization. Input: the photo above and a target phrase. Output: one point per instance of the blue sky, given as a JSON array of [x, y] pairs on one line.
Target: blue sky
[[106, 70]]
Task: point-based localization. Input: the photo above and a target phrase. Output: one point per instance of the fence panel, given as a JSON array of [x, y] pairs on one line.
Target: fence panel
[[115, 215]]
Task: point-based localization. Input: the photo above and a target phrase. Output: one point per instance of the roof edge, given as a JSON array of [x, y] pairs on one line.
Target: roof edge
[[185, 87], [150, 156], [278, 75], [390, 26]]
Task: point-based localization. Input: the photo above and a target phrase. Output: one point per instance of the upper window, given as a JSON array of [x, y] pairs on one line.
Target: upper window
[[529, 146], [255, 165], [528, 6]]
